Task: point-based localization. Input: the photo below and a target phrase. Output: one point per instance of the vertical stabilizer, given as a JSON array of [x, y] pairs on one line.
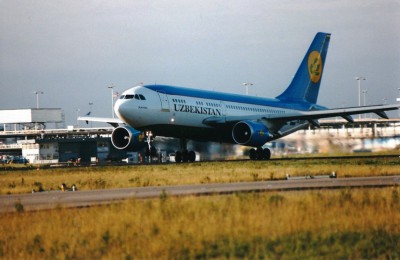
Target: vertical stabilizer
[[305, 84]]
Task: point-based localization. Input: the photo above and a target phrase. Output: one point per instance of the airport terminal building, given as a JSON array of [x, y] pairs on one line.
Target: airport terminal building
[[24, 134]]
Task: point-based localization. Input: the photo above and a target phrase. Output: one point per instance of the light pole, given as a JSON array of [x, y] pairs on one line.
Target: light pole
[[365, 100], [359, 92], [364, 94], [398, 99], [111, 86], [90, 112], [246, 84], [90, 107], [77, 115], [37, 97]]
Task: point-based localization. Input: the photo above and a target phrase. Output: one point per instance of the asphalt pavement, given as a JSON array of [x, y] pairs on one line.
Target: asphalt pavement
[[54, 199]]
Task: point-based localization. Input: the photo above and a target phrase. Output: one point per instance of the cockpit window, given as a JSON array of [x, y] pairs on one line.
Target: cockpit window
[[139, 97], [133, 96]]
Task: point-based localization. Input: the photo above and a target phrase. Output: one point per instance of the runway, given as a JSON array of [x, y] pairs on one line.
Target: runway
[[57, 199]]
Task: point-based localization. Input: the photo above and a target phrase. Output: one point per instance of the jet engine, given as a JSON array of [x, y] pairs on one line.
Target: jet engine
[[250, 133], [125, 137]]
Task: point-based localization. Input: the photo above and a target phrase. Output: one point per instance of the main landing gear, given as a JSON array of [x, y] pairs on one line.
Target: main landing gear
[[260, 153], [184, 155]]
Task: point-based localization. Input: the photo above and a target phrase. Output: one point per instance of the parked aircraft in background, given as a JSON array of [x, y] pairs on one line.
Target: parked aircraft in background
[[200, 115]]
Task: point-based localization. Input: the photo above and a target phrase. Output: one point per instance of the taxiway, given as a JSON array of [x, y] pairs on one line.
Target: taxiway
[[58, 199]]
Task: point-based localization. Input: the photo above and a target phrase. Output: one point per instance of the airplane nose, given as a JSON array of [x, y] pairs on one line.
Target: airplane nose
[[121, 109], [117, 107]]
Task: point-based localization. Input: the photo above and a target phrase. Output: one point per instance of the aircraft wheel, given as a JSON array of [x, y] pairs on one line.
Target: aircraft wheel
[[266, 154], [191, 156], [185, 156], [260, 153], [252, 154], [178, 156]]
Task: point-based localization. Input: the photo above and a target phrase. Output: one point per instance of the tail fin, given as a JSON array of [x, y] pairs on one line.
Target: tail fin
[[305, 84]]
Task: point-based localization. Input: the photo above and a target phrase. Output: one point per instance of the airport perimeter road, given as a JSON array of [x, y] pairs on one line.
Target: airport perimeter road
[[49, 200]]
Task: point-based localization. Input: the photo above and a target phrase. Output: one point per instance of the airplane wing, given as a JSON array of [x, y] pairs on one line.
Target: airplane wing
[[112, 121], [311, 116]]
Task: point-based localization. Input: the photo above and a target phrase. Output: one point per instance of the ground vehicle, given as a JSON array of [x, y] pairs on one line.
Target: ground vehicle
[[19, 159]]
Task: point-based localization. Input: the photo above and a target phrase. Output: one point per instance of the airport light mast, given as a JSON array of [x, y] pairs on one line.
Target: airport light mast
[[90, 107], [365, 99], [359, 92], [111, 86], [398, 99], [246, 84], [90, 112], [77, 116], [37, 97]]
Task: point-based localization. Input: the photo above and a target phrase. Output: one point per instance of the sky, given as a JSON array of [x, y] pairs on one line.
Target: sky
[[73, 51]]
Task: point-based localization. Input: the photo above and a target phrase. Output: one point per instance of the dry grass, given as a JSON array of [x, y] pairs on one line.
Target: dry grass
[[359, 223], [88, 178], [347, 223]]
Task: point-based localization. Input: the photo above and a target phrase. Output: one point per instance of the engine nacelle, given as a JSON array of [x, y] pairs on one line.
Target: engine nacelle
[[250, 133], [125, 137]]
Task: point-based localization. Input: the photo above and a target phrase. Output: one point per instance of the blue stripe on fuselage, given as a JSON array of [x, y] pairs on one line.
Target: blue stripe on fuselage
[[197, 93]]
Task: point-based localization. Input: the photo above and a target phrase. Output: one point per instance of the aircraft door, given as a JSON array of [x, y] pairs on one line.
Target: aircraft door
[[164, 102], [223, 109]]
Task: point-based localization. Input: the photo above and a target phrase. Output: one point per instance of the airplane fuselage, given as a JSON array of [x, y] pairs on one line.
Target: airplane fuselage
[[182, 112], [224, 117]]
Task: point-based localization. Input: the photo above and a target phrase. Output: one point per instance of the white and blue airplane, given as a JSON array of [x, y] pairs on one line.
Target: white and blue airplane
[[200, 115]]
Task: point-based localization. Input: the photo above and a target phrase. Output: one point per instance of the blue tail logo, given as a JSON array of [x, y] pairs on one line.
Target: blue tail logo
[[315, 66], [307, 80]]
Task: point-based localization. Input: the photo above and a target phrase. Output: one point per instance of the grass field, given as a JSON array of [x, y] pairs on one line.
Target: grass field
[[345, 223]]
